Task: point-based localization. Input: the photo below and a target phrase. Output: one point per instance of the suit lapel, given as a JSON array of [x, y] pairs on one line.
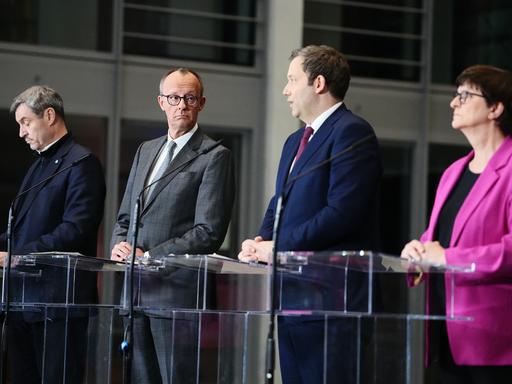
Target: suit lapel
[[483, 185], [187, 153], [23, 187], [147, 160], [55, 163], [316, 142], [287, 160]]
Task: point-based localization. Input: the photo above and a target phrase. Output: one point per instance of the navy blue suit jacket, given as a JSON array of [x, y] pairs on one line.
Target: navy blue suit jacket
[[63, 214], [334, 206]]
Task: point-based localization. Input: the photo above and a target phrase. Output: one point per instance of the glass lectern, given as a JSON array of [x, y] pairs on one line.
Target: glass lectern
[[225, 306]]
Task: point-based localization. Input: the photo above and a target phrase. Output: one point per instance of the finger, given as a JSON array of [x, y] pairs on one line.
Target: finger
[[249, 248], [248, 255], [418, 246], [413, 254], [125, 249], [118, 252], [249, 242], [247, 259], [412, 251], [115, 257]]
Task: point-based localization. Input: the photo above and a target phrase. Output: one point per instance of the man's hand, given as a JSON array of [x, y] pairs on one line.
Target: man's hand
[[256, 250], [3, 256], [123, 250]]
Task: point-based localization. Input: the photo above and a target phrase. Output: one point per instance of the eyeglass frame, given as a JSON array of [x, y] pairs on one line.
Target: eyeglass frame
[[463, 96], [184, 98]]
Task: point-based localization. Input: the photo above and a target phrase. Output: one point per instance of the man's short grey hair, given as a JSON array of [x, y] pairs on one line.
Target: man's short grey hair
[[38, 98]]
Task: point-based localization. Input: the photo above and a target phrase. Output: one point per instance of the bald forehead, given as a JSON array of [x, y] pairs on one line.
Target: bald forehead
[[178, 82]]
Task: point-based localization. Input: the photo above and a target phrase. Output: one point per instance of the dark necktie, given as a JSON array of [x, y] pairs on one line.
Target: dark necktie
[[304, 141]]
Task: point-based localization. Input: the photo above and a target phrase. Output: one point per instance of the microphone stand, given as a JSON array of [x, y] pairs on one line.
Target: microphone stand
[[270, 351], [127, 343], [7, 302], [271, 343], [7, 267]]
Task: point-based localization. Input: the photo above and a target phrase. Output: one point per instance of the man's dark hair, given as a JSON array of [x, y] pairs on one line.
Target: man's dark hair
[[328, 62]]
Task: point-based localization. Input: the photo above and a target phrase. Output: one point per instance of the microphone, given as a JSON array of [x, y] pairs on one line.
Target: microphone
[[127, 343], [270, 353], [7, 262]]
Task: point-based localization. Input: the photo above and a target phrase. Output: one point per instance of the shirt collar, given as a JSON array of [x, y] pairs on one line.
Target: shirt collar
[[51, 148], [183, 139], [317, 123]]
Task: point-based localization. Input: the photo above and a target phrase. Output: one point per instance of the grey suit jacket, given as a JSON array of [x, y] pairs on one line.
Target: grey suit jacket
[[188, 211]]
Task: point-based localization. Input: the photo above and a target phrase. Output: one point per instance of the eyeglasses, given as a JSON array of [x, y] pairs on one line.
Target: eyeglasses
[[463, 96], [189, 100]]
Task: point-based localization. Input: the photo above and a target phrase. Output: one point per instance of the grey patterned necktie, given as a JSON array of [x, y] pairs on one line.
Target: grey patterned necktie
[[161, 171]]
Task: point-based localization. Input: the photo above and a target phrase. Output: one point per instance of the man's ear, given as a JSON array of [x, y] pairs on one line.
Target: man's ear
[[50, 115], [319, 84], [160, 100]]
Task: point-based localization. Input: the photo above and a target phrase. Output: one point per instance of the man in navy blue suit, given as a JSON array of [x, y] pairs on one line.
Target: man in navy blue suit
[[334, 207], [62, 214]]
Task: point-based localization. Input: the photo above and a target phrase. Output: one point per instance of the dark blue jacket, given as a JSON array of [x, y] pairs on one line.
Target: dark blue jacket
[[334, 206], [63, 214]]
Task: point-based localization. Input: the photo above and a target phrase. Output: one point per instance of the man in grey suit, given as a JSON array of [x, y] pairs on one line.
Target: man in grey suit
[[186, 183]]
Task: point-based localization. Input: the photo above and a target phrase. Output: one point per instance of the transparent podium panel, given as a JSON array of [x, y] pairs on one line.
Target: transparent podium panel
[[66, 312], [362, 349], [346, 282], [192, 282], [208, 347], [58, 278], [210, 315], [64, 345], [75, 346]]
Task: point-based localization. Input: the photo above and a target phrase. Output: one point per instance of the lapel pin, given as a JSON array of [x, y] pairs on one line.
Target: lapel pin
[[57, 161]]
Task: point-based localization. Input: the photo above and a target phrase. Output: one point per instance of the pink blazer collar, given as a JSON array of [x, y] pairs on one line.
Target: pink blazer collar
[[482, 187]]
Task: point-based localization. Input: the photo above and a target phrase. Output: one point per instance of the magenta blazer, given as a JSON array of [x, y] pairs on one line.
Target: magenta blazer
[[482, 234]]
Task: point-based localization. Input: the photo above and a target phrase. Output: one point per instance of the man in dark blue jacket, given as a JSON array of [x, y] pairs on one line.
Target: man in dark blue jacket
[[62, 214], [333, 207]]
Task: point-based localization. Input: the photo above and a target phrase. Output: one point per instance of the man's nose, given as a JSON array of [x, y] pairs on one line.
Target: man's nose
[[182, 101]]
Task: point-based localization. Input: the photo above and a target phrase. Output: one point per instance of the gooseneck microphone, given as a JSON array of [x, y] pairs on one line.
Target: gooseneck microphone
[[280, 205], [7, 263], [127, 343]]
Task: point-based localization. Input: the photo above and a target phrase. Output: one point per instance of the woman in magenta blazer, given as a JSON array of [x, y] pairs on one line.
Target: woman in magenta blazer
[[471, 222]]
